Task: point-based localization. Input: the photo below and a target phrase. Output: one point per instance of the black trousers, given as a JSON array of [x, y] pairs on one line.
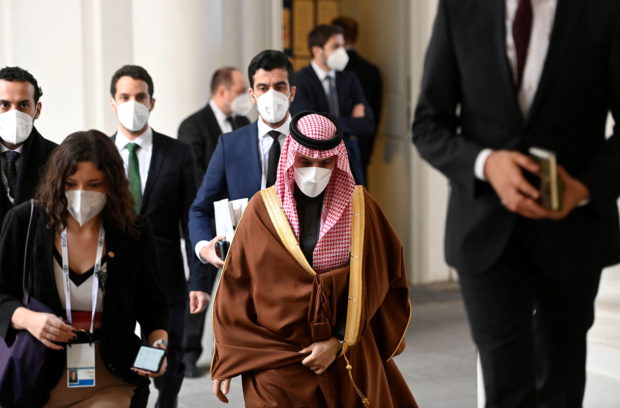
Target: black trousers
[[192, 337], [529, 321], [170, 383]]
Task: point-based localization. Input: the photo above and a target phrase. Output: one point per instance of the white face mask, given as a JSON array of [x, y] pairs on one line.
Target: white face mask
[[132, 115], [312, 180], [84, 205], [15, 126], [272, 106], [338, 59], [242, 105]]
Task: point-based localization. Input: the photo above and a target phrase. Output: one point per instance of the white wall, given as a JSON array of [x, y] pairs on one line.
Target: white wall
[[73, 47]]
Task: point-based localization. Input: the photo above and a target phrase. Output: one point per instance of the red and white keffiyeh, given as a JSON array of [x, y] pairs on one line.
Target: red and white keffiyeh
[[334, 244]]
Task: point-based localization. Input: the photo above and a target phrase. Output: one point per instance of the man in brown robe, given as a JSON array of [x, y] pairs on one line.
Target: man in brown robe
[[313, 303]]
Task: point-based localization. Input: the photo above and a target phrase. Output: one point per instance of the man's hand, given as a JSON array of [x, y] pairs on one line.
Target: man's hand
[[322, 354], [198, 301], [209, 254], [503, 169], [162, 369], [575, 192], [221, 388], [359, 111]]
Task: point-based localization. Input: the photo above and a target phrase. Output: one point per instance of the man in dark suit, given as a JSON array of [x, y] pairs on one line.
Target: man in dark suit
[[499, 78], [370, 80], [323, 86], [245, 161], [23, 151], [201, 131], [162, 179]]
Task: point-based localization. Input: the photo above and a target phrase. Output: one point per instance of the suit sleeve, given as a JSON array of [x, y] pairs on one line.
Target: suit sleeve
[[436, 120], [602, 176], [150, 305], [190, 134], [360, 127], [213, 188], [302, 101], [12, 241]]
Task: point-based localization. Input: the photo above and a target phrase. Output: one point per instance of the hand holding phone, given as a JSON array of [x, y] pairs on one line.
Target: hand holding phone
[[150, 361]]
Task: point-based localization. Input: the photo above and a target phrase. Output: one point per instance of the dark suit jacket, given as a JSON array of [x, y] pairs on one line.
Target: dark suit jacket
[[35, 153], [201, 131], [370, 80], [311, 96], [132, 290], [234, 172], [169, 191], [466, 67]]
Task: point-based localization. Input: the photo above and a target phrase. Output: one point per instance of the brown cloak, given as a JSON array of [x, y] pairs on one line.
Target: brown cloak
[[270, 304]]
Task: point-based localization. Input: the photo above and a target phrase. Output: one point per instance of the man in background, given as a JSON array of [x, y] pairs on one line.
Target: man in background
[[23, 151], [323, 86], [162, 179], [370, 80], [201, 131]]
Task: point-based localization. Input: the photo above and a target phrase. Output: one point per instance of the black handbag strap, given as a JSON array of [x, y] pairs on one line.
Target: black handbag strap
[[27, 275]]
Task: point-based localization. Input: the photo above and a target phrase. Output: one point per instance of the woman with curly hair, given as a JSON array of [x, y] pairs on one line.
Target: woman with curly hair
[[93, 264]]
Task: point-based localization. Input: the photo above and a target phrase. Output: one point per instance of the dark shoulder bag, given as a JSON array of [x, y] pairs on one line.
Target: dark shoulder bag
[[28, 369]]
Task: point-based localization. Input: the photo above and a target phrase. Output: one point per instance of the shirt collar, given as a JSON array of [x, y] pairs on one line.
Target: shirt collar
[[145, 140], [320, 73], [264, 128], [19, 149], [219, 115]]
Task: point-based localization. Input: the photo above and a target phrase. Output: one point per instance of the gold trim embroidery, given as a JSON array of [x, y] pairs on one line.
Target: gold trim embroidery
[[405, 332], [283, 228]]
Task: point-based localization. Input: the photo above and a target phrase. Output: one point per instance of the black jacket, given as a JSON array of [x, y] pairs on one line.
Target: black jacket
[[36, 150], [468, 102], [169, 192], [201, 131], [132, 291]]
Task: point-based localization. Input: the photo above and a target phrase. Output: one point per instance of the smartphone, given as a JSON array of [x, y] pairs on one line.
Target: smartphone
[[149, 359], [222, 249]]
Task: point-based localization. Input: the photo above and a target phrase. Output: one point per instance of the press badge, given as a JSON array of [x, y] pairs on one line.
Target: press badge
[[80, 365]]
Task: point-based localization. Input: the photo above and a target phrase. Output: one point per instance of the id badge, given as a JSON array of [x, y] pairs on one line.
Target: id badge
[[80, 365]]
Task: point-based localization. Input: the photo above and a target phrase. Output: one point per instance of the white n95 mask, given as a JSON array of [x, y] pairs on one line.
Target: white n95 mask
[[272, 106], [242, 105], [15, 126], [338, 59], [132, 115], [312, 180], [84, 205]]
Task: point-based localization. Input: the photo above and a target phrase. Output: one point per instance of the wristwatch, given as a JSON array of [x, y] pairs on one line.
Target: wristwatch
[[161, 341]]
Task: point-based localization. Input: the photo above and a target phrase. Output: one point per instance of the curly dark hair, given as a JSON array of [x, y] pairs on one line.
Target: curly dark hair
[[132, 71], [17, 74], [95, 147]]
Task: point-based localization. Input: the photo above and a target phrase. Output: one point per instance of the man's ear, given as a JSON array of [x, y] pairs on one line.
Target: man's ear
[[113, 104], [152, 104], [251, 95], [37, 111], [291, 97]]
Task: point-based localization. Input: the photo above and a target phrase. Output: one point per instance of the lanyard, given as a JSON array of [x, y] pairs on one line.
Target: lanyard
[[65, 275]]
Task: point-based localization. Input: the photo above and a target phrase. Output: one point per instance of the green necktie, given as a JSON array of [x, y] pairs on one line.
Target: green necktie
[[133, 174]]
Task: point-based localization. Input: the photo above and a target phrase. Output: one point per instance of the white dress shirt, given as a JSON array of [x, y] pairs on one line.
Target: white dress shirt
[[144, 153], [323, 75], [264, 144], [220, 116], [542, 25], [5, 181]]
